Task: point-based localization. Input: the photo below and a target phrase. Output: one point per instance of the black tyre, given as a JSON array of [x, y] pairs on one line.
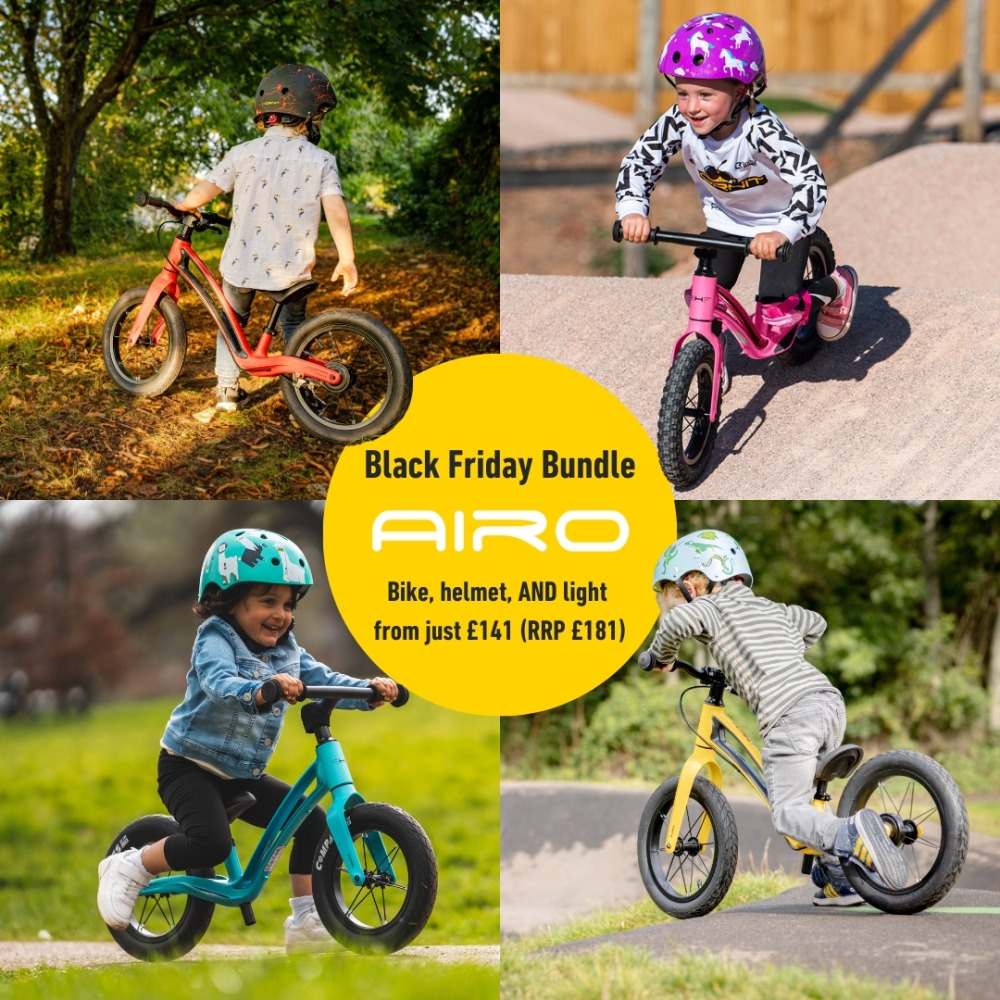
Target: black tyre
[[924, 810], [685, 433], [386, 913], [377, 381], [695, 878], [820, 262], [150, 366], [164, 926]]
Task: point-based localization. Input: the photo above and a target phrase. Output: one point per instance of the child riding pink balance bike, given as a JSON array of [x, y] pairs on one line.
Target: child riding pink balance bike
[[691, 404], [763, 193]]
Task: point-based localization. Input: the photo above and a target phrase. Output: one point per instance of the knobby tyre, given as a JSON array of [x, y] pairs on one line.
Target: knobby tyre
[[820, 262], [695, 878], [924, 810], [377, 379], [685, 431], [149, 366], [389, 910], [165, 926]]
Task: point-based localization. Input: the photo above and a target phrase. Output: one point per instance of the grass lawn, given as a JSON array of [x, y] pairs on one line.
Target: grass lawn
[[71, 784]]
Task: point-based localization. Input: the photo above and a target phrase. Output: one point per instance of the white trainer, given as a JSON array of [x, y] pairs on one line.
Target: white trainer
[[120, 877], [307, 934]]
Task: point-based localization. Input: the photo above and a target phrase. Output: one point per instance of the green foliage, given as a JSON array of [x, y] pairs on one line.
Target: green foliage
[[87, 777], [867, 567], [453, 196]]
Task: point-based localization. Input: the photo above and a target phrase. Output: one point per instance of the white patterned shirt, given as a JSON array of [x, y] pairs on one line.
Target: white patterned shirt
[[278, 181], [758, 644]]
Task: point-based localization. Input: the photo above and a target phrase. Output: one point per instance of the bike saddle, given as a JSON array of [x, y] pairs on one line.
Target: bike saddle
[[838, 763], [295, 292], [239, 804]]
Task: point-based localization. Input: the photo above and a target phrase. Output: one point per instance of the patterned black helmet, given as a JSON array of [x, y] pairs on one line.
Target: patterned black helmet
[[291, 92]]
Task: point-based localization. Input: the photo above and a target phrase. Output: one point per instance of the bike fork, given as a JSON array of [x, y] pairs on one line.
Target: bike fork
[[333, 771], [701, 312]]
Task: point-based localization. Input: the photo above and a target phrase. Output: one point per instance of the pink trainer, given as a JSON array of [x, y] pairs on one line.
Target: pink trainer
[[835, 317]]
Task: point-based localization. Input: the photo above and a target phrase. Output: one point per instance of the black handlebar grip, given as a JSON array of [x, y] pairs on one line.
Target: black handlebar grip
[[616, 231], [784, 252], [142, 198], [646, 661], [402, 697], [270, 692]]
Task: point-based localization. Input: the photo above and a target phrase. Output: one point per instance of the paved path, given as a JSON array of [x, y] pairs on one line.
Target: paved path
[[952, 947], [34, 954], [567, 849]]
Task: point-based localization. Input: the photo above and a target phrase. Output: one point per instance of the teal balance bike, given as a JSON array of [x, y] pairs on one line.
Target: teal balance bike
[[374, 872]]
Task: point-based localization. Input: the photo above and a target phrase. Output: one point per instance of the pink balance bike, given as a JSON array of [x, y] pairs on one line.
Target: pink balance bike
[[692, 396], [344, 375]]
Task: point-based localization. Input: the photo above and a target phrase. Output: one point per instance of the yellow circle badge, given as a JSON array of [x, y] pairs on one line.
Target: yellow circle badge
[[494, 551]]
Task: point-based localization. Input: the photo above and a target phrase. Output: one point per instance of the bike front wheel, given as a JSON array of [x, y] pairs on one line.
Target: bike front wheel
[[376, 378], [685, 433], [695, 878], [394, 904], [921, 806], [150, 365], [163, 926]]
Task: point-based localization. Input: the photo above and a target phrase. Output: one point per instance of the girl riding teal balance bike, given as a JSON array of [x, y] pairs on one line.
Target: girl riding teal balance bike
[[362, 872]]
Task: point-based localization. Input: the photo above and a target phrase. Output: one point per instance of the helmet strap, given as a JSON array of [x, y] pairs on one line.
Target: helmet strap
[[312, 131], [685, 593]]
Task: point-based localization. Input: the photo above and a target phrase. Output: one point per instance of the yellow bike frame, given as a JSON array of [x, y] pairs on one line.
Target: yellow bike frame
[[718, 734]]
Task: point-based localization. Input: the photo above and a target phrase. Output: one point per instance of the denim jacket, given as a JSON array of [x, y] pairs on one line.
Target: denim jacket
[[219, 722]]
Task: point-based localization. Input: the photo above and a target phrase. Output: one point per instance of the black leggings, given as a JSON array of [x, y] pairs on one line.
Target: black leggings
[[778, 280], [197, 799]]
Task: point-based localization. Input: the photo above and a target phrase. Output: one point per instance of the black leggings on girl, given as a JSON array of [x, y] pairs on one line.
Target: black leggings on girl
[[197, 799]]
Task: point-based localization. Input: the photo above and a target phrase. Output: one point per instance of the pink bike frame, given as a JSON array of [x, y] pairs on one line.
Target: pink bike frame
[[708, 301], [253, 360]]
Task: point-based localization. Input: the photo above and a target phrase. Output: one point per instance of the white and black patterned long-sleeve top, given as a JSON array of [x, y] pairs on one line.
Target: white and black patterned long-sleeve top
[[759, 179], [758, 644]]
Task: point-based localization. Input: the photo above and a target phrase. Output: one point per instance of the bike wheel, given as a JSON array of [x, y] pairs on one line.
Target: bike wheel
[[163, 926], [377, 380], [685, 432], [386, 913], [820, 262], [150, 365], [924, 810], [696, 877]]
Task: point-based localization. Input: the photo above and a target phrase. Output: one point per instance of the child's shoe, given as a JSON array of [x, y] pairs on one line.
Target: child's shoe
[[306, 933], [863, 841], [834, 889], [229, 397], [835, 317], [120, 877]]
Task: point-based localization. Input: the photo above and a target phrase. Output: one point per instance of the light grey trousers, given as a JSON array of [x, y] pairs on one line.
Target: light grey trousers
[[811, 727]]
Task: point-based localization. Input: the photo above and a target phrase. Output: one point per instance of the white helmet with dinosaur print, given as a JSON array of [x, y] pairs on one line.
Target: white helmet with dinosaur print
[[718, 555]]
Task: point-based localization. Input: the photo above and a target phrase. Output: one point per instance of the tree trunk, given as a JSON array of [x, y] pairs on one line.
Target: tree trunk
[[932, 578], [62, 149], [993, 675]]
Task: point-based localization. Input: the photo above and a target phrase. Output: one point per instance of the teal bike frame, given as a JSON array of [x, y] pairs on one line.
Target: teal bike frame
[[327, 774]]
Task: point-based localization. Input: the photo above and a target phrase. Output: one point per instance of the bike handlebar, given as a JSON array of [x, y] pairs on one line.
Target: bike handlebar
[[271, 693], [704, 674], [741, 244], [206, 220]]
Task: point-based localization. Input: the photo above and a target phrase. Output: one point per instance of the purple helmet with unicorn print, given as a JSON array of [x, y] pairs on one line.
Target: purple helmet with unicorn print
[[715, 47]]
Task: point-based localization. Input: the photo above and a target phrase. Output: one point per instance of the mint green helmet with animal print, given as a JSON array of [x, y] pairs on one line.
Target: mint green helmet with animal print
[[718, 555], [248, 555]]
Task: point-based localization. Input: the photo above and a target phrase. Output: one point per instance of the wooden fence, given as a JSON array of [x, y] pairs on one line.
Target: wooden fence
[[815, 47]]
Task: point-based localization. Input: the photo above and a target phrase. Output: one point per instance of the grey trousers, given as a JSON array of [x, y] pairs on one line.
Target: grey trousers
[[241, 299], [811, 727]]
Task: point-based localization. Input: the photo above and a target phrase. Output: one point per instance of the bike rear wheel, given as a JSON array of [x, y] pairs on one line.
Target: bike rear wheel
[[922, 806], [150, 365], [695, 878], [685, 430], [163, 926], [377, 380], [385, 913]]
